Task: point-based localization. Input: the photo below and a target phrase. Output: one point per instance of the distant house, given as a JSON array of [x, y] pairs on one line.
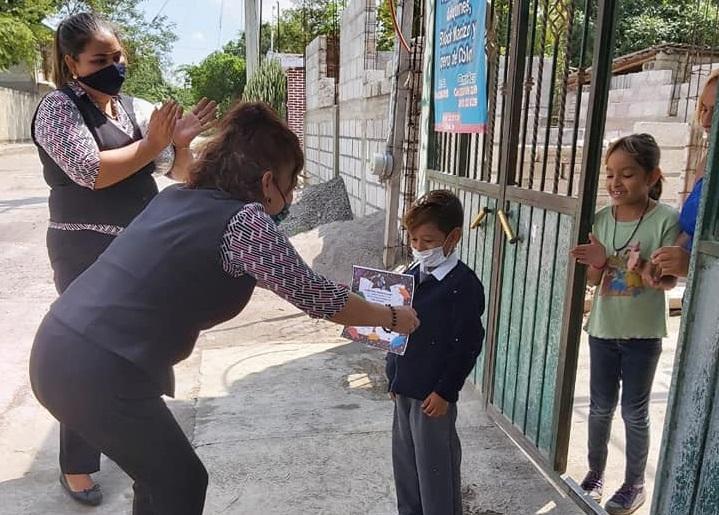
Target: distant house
[[21, 88]]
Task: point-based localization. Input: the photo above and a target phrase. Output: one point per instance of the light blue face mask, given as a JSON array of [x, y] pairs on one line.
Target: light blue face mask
[[284, 213]]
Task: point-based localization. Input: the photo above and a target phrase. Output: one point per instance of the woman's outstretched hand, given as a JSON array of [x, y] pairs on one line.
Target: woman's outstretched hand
[[162, 125], [194, 123], [407, 321]]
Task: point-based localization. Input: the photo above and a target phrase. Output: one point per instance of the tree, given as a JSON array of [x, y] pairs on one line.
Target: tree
[[307, 20], [238, 46], [22, 33], [219, 77], [147, 43], [385, 27], [646, 23]]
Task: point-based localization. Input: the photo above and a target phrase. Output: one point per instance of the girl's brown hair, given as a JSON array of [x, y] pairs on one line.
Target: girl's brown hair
[[250, 140], [644, 150], [71, 38]]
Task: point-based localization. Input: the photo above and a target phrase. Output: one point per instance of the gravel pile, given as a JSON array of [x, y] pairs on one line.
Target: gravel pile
[[332, 249], [316, 205]]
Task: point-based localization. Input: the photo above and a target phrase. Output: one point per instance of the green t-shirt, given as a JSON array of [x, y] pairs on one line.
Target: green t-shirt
[[623, 307]]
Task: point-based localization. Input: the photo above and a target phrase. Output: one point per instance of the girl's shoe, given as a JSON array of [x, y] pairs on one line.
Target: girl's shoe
[[628, 499], [593, 484]]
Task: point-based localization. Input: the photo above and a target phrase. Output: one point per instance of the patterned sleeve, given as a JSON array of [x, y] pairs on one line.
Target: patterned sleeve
[[62, 133], [143, 111], [253, 245]]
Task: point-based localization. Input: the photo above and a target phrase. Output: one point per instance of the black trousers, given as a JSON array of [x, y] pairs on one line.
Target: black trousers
[[71, 253], [119, 410]]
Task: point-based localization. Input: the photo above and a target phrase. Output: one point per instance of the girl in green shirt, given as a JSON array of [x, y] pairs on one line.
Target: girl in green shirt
[[628, 317]]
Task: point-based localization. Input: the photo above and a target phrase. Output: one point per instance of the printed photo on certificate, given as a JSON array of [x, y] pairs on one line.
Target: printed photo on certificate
[[381, 287]]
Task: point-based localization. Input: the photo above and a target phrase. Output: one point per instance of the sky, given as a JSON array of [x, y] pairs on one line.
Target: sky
[[197, 24]]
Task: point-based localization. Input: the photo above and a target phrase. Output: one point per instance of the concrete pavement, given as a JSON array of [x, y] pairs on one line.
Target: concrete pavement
[[288, 417]]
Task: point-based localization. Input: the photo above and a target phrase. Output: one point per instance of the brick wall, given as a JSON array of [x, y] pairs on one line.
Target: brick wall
[[296, 101]]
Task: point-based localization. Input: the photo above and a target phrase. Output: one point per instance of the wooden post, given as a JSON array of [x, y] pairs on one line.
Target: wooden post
[[396, 147], [252, 37]]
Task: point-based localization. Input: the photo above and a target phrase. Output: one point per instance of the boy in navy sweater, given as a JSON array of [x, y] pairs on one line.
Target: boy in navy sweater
[[425, 382]]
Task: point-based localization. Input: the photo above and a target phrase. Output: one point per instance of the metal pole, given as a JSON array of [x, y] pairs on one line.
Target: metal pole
[[588, 184], [272, 35], [252, 37], [279, 48]]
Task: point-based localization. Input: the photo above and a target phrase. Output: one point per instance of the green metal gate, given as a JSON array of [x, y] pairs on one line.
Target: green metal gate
[[688, 479], [528, 186]]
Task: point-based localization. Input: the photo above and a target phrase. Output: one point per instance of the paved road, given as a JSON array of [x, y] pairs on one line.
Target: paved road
[[288, 418]]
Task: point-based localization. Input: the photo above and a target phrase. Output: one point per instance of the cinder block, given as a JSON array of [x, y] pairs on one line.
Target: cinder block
[[669, 134], [674, 161]]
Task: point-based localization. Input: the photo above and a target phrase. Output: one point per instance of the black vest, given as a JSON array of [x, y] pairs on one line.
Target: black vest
[[159, 283], [115, 205]]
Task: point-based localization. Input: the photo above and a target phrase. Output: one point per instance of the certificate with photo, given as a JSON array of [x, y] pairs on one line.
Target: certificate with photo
[[381, 287]]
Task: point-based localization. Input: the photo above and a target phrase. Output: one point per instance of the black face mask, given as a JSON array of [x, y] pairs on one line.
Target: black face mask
[[279, 217], [107, 80]]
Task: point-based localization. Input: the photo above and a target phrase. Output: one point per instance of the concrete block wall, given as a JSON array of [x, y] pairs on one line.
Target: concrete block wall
[[361, 125], [635, 97], [674, 139], [321, 86], [320, 135], [363, 132], [16, 111]]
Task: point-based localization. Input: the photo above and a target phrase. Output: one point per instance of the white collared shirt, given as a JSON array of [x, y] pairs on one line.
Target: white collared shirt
[[442, 270]]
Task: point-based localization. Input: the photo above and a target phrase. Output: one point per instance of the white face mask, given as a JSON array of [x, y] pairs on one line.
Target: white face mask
[[430, 258]]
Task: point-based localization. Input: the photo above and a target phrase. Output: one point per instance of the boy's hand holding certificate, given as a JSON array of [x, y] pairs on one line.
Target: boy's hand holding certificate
[[381, 287]]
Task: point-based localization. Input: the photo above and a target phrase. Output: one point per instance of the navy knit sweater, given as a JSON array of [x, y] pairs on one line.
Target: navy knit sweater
[[444, 349]]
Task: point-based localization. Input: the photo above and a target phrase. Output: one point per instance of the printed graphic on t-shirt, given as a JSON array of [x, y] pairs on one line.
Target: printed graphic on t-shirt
[[622, 277]]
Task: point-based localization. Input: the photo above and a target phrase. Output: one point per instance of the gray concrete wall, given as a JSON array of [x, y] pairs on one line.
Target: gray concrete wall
[[16, 112], [320, 130], [363, 131], [345, 145]]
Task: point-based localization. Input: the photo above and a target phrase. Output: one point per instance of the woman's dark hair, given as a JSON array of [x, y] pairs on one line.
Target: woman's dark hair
[[71, 38], [644, 150], [250, 140], [439, 207]]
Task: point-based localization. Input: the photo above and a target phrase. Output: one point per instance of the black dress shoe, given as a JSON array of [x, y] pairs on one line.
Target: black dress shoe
[[90, 497]]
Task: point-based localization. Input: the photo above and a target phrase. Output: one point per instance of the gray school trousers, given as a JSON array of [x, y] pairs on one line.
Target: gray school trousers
[[426, 456]]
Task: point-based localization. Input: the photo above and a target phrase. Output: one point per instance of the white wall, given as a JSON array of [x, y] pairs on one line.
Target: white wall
[[16, 112]]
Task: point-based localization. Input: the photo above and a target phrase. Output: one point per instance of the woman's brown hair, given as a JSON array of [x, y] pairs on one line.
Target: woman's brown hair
[[71, 38], [250, 140], [713, 77], [644, 150]]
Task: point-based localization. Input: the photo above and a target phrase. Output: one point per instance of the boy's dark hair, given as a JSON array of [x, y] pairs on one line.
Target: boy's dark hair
[[250, 140], [439, 207], [644, 150], [71, 38]]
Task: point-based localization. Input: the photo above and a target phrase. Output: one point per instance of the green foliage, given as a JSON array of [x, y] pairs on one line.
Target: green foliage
[[304, 22], [21, 31], [238, 47], [219, 77], [269, 85], [645, 23], [385, 27]]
